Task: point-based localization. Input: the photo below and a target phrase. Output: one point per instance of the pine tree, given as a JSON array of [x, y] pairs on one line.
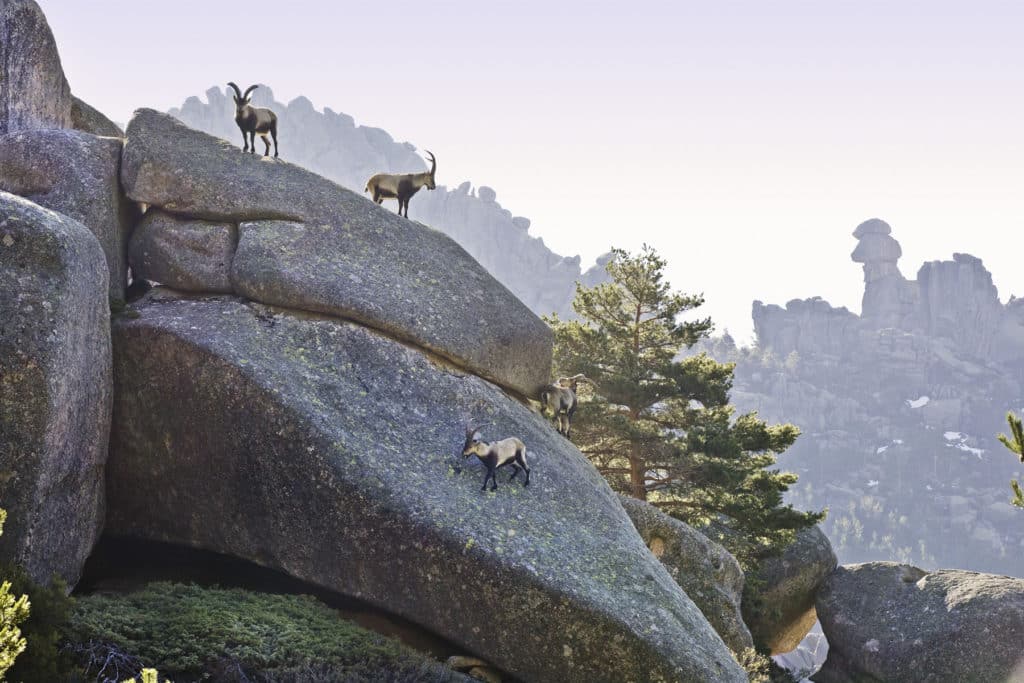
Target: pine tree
[[1017, 446], [13, 611], [659, 426]]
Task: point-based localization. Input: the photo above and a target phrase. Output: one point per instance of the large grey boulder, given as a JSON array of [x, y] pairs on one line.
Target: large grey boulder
[[706, 571], [334, 146], [33, 91], [892, 622], [55, 388], [335, 252], [784, 588], [76, 174], [88, 119], [190, 255], [325, 450]]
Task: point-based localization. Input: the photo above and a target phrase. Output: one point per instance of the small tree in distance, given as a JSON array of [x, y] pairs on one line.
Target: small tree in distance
[[1017, 446], [660, 427]]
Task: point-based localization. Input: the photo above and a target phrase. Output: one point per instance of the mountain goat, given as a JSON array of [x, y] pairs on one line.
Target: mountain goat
[[253, 121], [401, 187]]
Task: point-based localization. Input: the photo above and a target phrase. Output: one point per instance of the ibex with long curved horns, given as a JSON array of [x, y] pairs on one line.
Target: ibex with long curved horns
[[560, 398], [401, 187], [254, 121]]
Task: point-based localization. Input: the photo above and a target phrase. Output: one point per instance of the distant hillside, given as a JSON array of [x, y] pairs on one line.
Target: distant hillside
[[331, 144], [899, 408]]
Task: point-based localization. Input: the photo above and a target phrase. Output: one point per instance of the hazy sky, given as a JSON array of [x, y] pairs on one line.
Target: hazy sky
[[745, 140]]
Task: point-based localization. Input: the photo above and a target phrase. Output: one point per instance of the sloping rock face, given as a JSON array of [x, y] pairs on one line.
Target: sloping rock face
[[33, 91], [190, 255], [55, 388], [332, 145], [88, 119], [893, 622], [703, 569], [898, 408], [325, 450], [335, 252], [76, 174], [785, 588]]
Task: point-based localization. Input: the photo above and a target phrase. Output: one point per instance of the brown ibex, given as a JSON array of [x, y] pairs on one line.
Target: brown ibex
[[401, 187], [560, 398], [510, 451], [253, 121]]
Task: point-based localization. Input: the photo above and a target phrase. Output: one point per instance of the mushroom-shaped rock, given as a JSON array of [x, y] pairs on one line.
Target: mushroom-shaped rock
[[325, 450], [335, 252], [876, 249], [55, 388], [893, 622]]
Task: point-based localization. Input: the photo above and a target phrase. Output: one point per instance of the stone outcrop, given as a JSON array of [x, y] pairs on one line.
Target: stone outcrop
[[784, 589], [76, 174], [190, 255], [898, 407], [88, 119], [709, 575], [327, 451], [332, 145], [33, 90], [55, 388], [308, 244], [891, 622]]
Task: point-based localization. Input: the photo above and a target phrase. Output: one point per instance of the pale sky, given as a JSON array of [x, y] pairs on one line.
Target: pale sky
[[743, 139]]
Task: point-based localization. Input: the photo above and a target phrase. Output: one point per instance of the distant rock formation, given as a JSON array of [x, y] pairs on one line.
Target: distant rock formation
[[899, 408], [332, 145], [954, 301]]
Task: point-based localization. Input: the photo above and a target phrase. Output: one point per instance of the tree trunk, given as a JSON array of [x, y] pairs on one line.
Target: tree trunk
[[636, 477]]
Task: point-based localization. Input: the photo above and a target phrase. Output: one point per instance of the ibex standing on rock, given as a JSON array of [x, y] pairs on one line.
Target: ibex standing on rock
[[510, 451], [401, 187], [254, 121], [560, 398]]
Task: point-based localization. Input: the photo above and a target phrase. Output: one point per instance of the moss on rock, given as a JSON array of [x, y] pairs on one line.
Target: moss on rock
[[193, 633]]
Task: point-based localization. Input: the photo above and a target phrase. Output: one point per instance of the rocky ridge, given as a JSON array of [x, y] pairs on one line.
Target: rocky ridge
[[297, 401], [898, 407], [332, 145]]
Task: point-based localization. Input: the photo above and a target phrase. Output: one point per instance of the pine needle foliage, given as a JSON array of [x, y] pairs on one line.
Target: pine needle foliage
[[1016, 445], [659, 425], [13, 611]]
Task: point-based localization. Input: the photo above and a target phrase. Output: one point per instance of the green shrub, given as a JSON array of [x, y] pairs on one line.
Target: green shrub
[[195, 633], [51, 608], [148, 676], [13, 611], [761, 668]]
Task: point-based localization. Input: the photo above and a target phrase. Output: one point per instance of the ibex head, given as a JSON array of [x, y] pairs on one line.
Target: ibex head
[[430, 185], [573, 382], [242, 100], [474, 445]]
